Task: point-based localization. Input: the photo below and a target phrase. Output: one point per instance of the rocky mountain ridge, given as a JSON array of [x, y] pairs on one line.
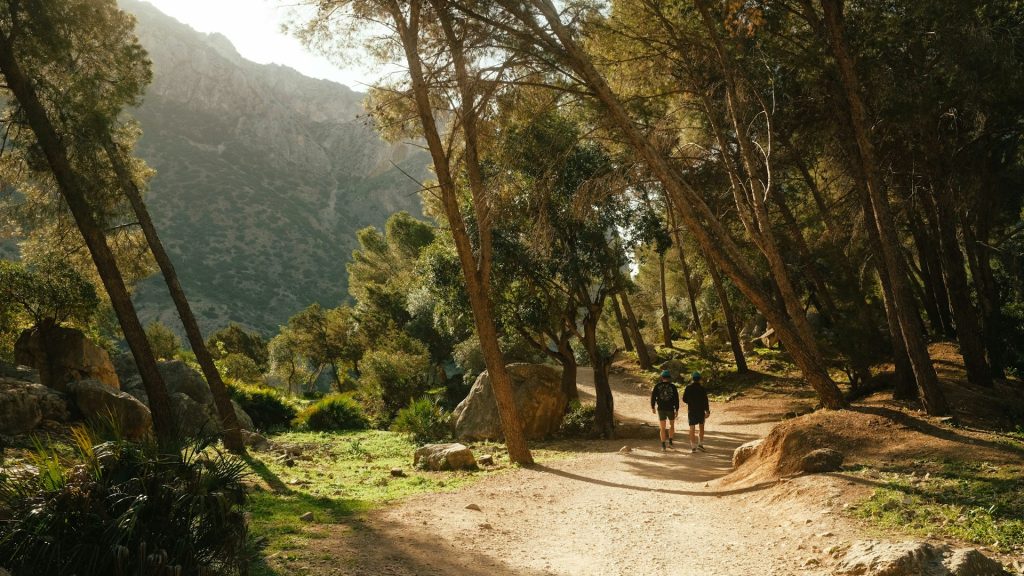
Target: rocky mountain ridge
[[263, 178]]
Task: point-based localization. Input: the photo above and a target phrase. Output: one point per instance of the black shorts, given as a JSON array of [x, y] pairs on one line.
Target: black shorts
[[695, 418], [666, 414]]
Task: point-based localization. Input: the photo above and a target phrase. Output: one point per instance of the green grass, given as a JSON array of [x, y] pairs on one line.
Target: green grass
[[339, 476], [977, 502]]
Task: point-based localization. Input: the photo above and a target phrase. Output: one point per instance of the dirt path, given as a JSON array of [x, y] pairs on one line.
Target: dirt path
[[609, 513]]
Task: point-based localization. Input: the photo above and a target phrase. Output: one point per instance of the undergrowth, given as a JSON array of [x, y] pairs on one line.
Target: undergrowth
[[977, 502]]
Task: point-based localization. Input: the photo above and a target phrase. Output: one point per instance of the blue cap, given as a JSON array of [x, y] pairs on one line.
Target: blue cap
[[666, 374], [696, 376]]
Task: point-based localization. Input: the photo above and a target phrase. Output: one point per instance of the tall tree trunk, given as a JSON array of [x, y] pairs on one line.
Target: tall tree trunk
[[968, 327], [692, 210], [229, 420], [72, 188], [604, 409], [730, 321], [567, 358], [642, 354], [666, 328], [933, 293], [931, 395], [976, 241], [677, 236], [627, 342], [476, 271]]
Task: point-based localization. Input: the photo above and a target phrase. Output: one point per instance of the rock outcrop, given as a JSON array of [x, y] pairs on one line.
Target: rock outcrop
[[538, 396], [24, 405], [97, 401], [821, 460], [745, 451], [64, 355], [876, 558], [444, 457]]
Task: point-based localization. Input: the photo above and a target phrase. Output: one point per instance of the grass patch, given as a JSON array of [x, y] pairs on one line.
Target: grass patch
[[977, 502]]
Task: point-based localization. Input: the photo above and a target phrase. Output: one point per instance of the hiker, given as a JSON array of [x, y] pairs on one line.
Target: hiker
[[666, 396], [698, 409]]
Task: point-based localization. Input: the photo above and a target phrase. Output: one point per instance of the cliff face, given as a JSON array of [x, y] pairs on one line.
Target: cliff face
[[263, 178]]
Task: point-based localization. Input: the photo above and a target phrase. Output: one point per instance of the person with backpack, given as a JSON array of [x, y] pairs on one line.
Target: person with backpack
[[666, 396], [698, 409]]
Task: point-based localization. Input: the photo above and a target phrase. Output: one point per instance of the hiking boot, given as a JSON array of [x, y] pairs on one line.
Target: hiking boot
[[662, 446], [701, 446], [670, 444], [692, 450]]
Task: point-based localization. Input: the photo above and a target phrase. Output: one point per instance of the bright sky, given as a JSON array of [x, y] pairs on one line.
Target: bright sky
[[254, 27]]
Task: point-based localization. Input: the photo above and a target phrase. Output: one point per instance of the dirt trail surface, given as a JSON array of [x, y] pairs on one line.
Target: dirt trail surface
[[607, 513]]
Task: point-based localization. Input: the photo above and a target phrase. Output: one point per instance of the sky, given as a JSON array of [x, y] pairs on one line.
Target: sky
[[254, 27]]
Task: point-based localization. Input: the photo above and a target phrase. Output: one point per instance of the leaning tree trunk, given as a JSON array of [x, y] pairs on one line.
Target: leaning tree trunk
[[627, 342], [72, 189], [924, 373], [730, 320], [687, 278], [226, 411], [707, 230], [567, 358], [642, 354], [666, 328], [475, 267]]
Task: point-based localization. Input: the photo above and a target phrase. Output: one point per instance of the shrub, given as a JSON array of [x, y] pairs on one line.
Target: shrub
[[579, 421], [267, 408], [394, 376], [424, 420], [164, 343], [334, 412], [107, 507], [239, 367]]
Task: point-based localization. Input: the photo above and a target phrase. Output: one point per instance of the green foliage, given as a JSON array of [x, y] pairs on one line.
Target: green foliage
[[49, 291], [393, 376], [267, 408], [165, 344], [579, 422], [99, 510], [332, 413], [236, 340], [425, 420], [239, 367], [973, 501]]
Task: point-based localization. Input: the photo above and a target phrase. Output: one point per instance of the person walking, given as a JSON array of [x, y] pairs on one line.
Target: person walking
[[698, 409], [666, 396]]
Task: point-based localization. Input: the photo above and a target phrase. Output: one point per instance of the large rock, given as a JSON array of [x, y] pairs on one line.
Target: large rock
[[821, 460], [970, 562], [873, 558], [745, 451], [24, 405], [444, 457], [179, 378], [97, 401], [191, 417], [64, 355], [538, 395]]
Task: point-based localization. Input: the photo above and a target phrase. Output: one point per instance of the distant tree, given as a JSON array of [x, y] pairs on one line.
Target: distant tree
[[236, 340], [162, 340], [46, 294]]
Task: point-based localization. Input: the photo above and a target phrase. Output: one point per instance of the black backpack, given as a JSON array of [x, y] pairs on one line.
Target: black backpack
[[666, 394]]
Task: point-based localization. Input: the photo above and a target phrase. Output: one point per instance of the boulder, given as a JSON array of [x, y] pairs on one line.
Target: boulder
[[244, 420], [191, 417], [970, 562], [179, 378], [874, 558], [25, 373], [821, 460], [24, 405], [745, 451], [64, 355], [444, 457], [97, 401], [538, 395]]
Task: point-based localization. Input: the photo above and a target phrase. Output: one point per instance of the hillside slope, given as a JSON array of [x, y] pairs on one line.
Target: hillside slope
[[263, 178]]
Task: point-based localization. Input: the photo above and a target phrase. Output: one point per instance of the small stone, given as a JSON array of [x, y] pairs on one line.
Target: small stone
[[486, 460], [307, 517], [473, 507], [289, 462], [486, 526], [824, 535], [625, 450], [398, 473]]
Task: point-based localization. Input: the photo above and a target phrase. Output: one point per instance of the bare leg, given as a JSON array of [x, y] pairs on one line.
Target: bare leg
[[693, 443], [671, 429], [661, 430], [701, 442]]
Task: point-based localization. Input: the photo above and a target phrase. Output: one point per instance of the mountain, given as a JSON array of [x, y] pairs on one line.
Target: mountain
[[263, 177]]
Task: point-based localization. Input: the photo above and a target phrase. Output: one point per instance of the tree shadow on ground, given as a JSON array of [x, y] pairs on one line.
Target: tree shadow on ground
[[925, 427], [640, 488]]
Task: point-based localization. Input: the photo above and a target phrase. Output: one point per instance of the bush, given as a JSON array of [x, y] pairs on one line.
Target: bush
[[425, 421], [334, 412], [579, 421], [393, 377], [107, 507], [239, 367], [267, 408], [164, 343]]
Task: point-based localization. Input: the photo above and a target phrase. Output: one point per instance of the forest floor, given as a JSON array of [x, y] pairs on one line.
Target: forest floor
[[590, 507]]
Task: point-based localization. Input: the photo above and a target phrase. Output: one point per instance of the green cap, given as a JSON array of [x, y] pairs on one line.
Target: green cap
[[696, 376], [666, 374]]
